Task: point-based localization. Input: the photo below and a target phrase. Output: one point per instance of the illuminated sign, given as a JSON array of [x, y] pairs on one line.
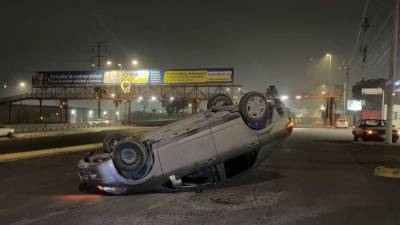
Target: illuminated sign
[[133, 77], [130, 76], [198, 76], [67, 78], [354, 105]]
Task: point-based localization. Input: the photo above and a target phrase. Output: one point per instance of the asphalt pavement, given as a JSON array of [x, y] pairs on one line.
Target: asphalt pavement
[[319, 176]]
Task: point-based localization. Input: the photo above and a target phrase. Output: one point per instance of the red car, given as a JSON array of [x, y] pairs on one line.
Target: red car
[[372, 130]]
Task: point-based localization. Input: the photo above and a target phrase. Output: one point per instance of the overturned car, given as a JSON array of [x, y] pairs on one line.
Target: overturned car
[[196, 152]]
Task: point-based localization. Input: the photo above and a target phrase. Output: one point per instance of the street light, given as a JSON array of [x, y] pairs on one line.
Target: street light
[[298, 96], [22, 84], [109, 63], [171, 98], [5, 86], [153, 98], [329, 88], [135, 62], [284, 97], [112, 95], [140, 98]]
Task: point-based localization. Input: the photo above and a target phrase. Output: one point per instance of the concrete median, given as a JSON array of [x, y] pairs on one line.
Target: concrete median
[[48, 152]]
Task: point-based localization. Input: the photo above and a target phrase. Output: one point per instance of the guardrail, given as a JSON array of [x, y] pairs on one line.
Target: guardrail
[[22, 128]]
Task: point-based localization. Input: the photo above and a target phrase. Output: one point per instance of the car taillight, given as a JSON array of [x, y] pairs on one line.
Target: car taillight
[[289, 126]]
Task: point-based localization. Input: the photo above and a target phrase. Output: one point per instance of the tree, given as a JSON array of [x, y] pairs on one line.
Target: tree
[[175, 106]]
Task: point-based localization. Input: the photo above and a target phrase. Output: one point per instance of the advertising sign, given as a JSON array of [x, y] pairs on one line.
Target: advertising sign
[[133, 77], [130, 76], [67, 78], [198, 76], [354, 105]]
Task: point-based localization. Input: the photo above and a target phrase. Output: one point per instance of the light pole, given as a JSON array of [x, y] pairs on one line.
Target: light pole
[[329, 88]]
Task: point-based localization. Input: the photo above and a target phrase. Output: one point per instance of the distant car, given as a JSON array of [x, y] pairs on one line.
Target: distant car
[[341, 123], [372, 130], [202, 150], [6, 131], [99, 122]]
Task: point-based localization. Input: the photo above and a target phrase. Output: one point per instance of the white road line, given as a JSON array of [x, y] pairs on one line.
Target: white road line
[[48, 152]]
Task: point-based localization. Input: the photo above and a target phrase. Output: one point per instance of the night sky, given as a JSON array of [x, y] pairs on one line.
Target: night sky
[[267, 42]]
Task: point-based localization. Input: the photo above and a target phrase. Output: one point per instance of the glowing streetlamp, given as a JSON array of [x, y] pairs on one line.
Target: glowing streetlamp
[[22, 84], [109, 63], [112, 95], [284, 97], [171, 98], [135, 62], [298, 96], [153, 98]]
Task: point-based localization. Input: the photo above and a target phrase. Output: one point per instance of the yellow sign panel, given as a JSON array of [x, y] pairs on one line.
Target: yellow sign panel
[[185, 76], [119, 76], [196, 76]]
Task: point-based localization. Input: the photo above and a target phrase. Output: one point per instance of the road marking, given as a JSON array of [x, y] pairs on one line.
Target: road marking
[[48, 152], [384, 171]]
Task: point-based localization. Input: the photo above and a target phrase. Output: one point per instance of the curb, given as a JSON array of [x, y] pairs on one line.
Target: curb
[[48, 152], [383, 171]]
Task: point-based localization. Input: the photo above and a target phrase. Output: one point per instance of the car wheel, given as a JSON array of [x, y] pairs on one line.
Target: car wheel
[[111, 140], [10, 135], [355, 138], [130, 155], [219, 100], [254, 108]]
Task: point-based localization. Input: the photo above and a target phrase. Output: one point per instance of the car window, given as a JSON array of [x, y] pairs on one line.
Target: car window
[[374, 123]]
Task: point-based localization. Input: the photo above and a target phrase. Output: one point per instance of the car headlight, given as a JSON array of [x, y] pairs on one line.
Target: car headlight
[[371, 132]]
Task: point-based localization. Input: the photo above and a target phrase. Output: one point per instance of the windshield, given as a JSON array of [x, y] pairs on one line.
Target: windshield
[[374, 123]]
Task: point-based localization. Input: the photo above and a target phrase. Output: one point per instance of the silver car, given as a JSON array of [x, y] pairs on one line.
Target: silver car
[[197, 152]]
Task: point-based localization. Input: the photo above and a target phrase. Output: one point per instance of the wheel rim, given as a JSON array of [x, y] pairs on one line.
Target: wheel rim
[[256, 107], [129, 156]]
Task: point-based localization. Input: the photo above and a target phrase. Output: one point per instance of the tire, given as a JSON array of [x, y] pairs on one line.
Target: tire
[[130, 155], [219, 100], [355, 138], [111, 140], [10, 135], [254, 110]]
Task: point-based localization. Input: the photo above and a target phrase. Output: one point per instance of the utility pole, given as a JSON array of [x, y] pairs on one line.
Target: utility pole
[[346, 93], [392, 73], [99, 58]]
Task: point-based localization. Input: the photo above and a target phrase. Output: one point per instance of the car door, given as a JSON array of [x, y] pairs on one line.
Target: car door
[[190, 152], [233, 138]]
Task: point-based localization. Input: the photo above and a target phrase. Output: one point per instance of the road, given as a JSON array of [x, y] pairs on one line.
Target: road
[[319, 176]]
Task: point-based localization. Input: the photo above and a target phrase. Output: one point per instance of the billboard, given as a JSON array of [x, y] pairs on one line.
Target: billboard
[[67, 78], [198, 76], [134, 77]]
